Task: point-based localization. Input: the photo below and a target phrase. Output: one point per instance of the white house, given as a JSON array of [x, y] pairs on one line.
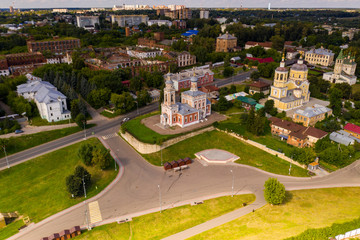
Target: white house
[[146, 53], [50, 102]]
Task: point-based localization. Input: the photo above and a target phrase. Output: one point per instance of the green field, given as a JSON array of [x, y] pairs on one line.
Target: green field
[[159, 225], [21, 143], [268, 140], [248, 154], [37, 189], [38, 121], [109, 114], [143, 133], [10, 229], [303, 209]]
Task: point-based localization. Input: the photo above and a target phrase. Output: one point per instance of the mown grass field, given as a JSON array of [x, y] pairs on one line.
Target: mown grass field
[[143, 133], [21, 143], [248, 154], [37, 188], [302, 210], [159, 225]]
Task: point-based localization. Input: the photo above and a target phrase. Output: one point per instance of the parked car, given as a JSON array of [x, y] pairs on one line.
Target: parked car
[[17, 131]]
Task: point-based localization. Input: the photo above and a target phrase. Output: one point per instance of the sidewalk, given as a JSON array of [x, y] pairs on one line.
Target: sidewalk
[[259, 202]]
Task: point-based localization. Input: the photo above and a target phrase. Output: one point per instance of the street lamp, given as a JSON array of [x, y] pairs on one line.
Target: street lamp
[[84, 186], [84, 122], [137, 107], [160, 197], [232, 187], [290, 168]]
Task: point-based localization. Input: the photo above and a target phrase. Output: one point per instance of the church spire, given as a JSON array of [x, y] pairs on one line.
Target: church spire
[[282, 63]]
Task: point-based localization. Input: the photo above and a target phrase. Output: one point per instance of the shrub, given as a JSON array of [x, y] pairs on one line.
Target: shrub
[[75, 182], [274, 191], [85, 153]]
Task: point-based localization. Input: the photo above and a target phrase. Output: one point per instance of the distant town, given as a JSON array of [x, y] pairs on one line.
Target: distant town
[[174, 122]]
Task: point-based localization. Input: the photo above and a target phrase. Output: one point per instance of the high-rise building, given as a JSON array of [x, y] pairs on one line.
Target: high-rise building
[[204, 14], [87, 22], [129, 20]]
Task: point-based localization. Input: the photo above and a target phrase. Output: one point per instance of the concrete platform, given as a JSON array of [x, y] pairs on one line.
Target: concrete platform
[[216, 156], [153, 123]]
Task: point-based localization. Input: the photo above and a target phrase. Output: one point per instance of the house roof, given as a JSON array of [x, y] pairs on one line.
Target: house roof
[[190, 33], [313, 111], [297, 130], [33, 86], [259, 84], [47, 95], [352, 128], [262, 44], [227, 36], [247, 100], [261, 60], [314, 132], [340, 138]]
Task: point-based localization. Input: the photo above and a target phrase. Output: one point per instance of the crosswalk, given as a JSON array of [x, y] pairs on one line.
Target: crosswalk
[[109, 136], [95, 214]]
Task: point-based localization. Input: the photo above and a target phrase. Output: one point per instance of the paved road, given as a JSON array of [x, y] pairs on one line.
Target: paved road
[[137, 191], [102, 125], [234, 79]]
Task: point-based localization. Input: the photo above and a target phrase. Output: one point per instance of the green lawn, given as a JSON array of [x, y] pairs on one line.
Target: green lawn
[[37, 189], [268, 140], [303, 209], [108, 114], [143, 133], [38, 121], [21, 143], [10, 229], [160, 225], [248, 154], [355, 88]]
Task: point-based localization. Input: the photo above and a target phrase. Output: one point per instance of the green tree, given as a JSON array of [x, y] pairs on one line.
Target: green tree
[[75, 182], [250, 120], [80, 120], [74, 108], [269, 105], [277, 42], [335, 101], [123, 102], [85, 153], [274, 192], [255, 75], [228, 71], [101, 158], [143, 97]]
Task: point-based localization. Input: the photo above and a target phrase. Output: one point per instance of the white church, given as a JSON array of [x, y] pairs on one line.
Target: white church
[[194, 105], [344, 70]]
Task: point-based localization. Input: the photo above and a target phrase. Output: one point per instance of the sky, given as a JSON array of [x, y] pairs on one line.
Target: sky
[[190, 3]]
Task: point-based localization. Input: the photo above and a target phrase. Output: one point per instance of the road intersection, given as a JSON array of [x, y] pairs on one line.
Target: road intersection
[[135, 190]]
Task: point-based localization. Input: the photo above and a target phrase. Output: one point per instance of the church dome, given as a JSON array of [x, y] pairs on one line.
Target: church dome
[[193, 79], [299, 67]]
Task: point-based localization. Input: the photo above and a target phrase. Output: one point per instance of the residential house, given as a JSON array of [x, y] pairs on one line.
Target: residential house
[[311, 115], [295, 134], [181, 80], [342, 139], [247, 102], [353, 129], [320, 56], [259, 87], [226, 43], [265, 45], [211, 91]]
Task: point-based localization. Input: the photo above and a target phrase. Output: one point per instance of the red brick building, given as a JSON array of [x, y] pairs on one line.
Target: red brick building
[[295, 134], [56, 45]]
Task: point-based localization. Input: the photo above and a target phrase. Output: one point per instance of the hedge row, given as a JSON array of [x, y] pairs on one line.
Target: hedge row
[[325, 233]]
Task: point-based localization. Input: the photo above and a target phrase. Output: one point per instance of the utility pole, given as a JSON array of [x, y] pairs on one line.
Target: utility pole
[[161, 155], [84, 186], [84, 122], [87, 220], [160, 197], [290, 168], [232, 187], [137, 107], [7, 160], [115, 165]]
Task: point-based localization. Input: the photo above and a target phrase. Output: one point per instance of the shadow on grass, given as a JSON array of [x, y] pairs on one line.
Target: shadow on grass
[[288, 198]]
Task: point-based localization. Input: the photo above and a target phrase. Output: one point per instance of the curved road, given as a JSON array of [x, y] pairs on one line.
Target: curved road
[[137, 191]]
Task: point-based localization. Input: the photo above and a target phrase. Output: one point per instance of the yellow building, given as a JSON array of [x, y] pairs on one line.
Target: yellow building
[[290, 90], [320, 56], [226, 43]]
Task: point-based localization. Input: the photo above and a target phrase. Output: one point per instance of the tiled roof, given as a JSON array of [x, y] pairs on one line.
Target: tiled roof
[[314, 132], [352, 128], [263, 44], [261, 60], [259, 84]]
